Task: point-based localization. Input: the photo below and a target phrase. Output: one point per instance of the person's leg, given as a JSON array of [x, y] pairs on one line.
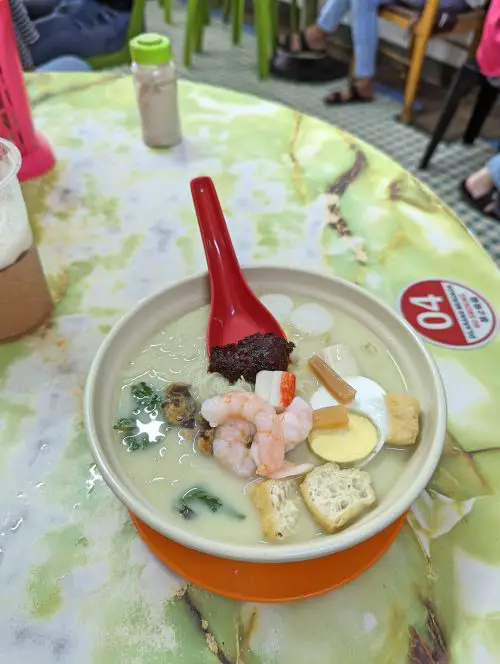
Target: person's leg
[[364, 29], [65, 63], [315, 36], [479, 183], [81, 28], [493, 168], [482, 182], [40, 8], [331, 14], [481, 189]]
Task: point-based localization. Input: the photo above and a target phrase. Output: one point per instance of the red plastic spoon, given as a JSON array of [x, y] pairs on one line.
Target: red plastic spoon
[[235, 310]]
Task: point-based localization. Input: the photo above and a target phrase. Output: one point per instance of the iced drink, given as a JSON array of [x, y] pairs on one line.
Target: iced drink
[[25, 301]]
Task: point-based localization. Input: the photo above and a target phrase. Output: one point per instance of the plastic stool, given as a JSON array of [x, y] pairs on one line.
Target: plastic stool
[[122, 57], [266, 28], [167, 10]]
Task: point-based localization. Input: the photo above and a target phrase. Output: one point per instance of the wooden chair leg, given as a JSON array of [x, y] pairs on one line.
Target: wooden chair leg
[[484, 103], [421, 34], [471, 52], [418, 52]]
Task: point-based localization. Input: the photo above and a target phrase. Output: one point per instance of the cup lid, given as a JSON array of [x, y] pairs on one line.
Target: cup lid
[[151, 48]]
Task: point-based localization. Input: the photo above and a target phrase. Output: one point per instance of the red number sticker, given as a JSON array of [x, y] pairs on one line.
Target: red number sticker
[[448, 313]]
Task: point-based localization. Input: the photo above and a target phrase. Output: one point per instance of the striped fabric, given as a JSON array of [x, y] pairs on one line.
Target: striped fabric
[[26, 32]]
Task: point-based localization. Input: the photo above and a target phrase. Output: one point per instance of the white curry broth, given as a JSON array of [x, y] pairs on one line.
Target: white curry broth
[[167, 469]]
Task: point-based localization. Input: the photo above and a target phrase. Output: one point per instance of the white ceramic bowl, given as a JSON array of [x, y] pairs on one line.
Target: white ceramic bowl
[[150, 315]]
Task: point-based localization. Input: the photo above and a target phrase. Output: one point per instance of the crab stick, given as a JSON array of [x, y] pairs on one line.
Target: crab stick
[[334, 417], [335, 384], [276, 387]]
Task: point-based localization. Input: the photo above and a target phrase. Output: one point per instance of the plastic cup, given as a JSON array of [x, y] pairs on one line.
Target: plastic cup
[[25, 301]]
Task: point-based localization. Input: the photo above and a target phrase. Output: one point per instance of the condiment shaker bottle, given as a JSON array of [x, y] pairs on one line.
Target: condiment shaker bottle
[[155, 84], [25, 301]]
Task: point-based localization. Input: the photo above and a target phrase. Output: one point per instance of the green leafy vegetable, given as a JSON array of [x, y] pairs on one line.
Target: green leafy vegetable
[[125, 424], [213, 503], [139, 442], [234, 513], [147, 400], [146, 397]]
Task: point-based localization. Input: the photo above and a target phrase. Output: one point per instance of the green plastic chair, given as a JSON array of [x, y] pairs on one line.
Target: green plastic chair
[[122, 57], [310, 10], [167, 10], [265, 23]]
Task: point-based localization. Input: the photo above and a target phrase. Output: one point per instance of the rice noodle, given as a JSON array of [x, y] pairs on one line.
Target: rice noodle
[[206, 385], [212, 384]]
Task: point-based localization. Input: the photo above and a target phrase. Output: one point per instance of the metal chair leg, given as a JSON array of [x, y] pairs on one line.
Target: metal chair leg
[[465, 80], [484, 103]]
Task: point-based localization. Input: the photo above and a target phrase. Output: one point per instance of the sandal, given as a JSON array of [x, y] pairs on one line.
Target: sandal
[[286, 45], [487, 205], [336, 98]]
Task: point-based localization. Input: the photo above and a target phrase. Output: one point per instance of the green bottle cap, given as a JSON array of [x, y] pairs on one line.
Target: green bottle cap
[[150, 49]]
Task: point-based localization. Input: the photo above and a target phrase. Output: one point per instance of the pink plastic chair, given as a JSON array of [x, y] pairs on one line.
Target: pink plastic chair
[[489, 46], [16, 124]]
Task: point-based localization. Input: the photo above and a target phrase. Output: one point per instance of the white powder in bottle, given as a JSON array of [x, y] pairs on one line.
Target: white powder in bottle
[[155, 84]]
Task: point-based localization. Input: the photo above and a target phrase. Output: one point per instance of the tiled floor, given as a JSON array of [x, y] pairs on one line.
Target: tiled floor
[[234, 67]]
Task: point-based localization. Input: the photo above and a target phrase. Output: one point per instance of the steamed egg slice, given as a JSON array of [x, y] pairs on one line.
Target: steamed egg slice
[[367, 429], [347, 444]]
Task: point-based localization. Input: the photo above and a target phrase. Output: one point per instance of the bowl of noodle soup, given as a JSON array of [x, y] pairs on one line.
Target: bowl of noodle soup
[[157, 471]]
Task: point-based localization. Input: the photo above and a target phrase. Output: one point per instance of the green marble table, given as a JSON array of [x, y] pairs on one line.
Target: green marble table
[[114, 221]]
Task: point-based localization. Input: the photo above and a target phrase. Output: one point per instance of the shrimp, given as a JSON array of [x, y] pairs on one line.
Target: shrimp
[[290, 469], [268, 447], [231, 447], [296, 423]]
